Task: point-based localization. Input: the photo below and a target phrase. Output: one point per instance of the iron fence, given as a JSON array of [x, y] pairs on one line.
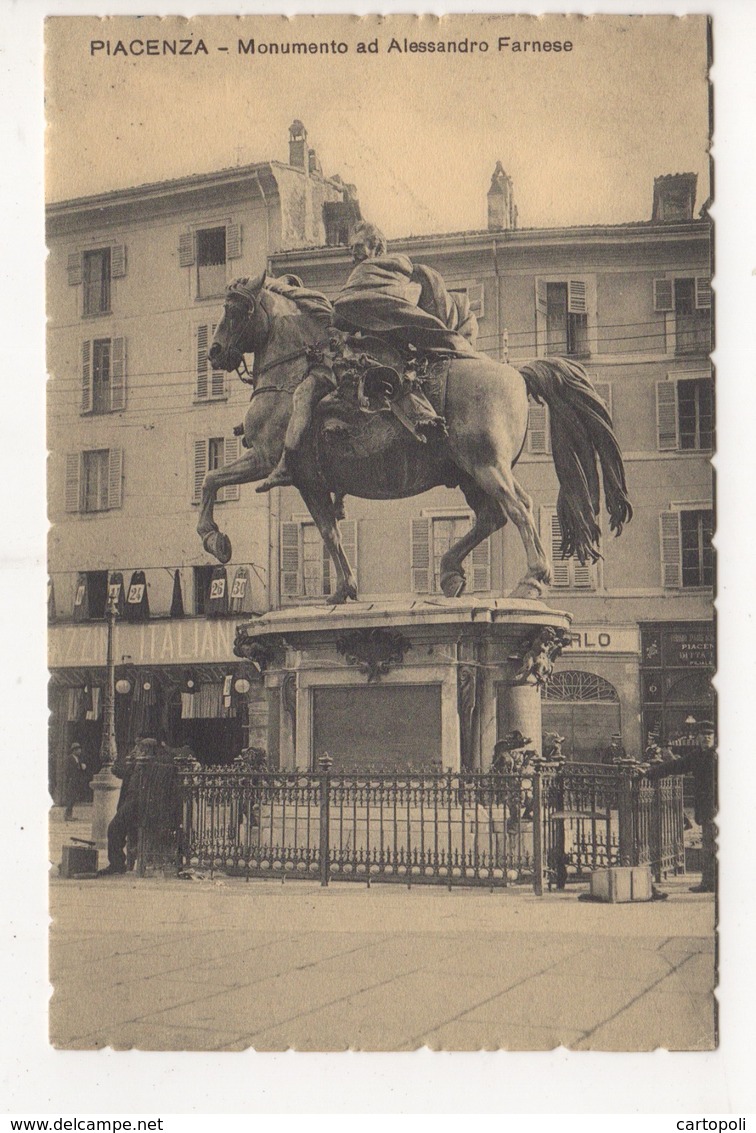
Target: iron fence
[[545, 825]]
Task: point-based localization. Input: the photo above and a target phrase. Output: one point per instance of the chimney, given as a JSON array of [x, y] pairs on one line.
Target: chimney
[[674, 198], [502, 213], [298, 156]]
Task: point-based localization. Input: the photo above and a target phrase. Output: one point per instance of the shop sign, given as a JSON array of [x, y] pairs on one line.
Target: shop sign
[[155, 643], [690, 648], [605, 639]]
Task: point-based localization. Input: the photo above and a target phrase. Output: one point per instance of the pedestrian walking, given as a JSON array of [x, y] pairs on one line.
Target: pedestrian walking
[[73, 776]]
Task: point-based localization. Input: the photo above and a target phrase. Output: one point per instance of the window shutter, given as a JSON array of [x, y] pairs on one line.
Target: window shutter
[[583, 577], [541, 296], [348, 531], [577, 300], [666, 416], [115, 477], [86, 376], [421, 556], [551, 533], [541, 312], [117, 261], [199, 469], [73, 481], [481, 566], [703, 292], [230, 454], [118, 373], [538, 428], [671, 556], [604, 390], [202, 342], [217, 377], [664, 295], [186, 249], [290, 560], [233, 241], [74, 268]]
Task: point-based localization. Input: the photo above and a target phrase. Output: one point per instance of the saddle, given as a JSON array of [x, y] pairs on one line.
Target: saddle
[[379, 378]]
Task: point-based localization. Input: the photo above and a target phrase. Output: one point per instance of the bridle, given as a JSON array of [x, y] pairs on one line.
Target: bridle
[[242, 370]]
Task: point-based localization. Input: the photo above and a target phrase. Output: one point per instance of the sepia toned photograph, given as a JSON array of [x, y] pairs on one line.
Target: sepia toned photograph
[[381, 579]]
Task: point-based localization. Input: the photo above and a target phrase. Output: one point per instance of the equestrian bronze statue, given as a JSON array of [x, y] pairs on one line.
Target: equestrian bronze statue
[[354, 438]]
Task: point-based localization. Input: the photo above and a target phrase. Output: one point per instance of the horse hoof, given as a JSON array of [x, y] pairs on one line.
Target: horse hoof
[[530, 588], [343, 594], [218, 545], [452, 585]]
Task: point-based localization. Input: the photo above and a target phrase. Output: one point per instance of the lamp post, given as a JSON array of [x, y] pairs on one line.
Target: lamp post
[[105, 786]]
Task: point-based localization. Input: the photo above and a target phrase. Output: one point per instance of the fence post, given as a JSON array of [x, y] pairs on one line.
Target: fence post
[[625, 816], [325, 763], [538, 828], [657, 839]]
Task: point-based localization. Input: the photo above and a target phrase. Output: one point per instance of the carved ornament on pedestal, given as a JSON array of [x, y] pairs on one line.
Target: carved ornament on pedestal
[[373, 651], [538, 654], [260, 653]]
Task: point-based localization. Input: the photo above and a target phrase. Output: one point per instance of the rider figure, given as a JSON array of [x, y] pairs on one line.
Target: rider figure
[[380, 297]]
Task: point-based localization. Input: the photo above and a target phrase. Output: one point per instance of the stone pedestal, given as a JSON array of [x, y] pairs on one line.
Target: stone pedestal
[[484, 659], [105, 788]]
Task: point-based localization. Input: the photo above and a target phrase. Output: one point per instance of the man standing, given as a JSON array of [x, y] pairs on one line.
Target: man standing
[[405, 305], [126, 820], [73, 774]]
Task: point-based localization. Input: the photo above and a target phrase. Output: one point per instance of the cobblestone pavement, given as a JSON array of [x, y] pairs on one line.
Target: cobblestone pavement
[[222, 964]]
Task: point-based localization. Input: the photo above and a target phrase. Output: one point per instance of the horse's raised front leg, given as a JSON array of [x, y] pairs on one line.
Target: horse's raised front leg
[[321, 507], [488, 518], [248, 467]]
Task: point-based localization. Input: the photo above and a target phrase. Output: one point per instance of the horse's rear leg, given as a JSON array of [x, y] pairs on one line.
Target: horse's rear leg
[[247, 468], [488, 518], [516, 505]]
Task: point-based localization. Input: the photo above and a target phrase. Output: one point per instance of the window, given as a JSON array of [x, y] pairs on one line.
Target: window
[[93, 271], [686, 302], [565, 316], [431, 538], [94, 480], [687, 555], [570, 573], [211, 453], [210, 249], [685, 413], [96, 272], [210, 384], [305, 565], [103, 375]]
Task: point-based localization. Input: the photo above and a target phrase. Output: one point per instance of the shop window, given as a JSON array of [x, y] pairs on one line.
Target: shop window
[[687, 555], [431, 538], [306, 567], [585, 709]]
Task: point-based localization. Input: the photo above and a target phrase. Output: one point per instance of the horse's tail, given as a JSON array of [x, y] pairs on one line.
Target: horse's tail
[[581, 437]]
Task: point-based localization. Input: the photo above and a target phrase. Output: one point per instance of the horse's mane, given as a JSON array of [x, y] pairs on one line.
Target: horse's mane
[[312, 303]]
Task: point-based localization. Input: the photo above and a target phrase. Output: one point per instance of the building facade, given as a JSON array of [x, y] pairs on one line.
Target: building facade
[[136, 280], [632, 303]]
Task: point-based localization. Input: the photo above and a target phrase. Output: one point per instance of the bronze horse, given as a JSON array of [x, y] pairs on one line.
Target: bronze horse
[[374, 457]]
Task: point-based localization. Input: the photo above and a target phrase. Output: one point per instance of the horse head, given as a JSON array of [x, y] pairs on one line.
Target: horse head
[[244, 325]]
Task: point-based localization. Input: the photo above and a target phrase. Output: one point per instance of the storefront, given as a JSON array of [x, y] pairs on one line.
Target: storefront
[[180, 683], [678, 661]]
